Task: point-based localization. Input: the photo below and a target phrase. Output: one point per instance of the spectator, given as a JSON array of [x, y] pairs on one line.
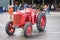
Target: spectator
[[59, 6], [48, 9], [4, 9], [52, 7], [34, 6], [30, 6], [19, 7], [44, 7], [16, 7], [26, 5]]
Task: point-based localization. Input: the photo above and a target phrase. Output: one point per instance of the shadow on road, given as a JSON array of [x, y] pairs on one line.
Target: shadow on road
[[22, 37]]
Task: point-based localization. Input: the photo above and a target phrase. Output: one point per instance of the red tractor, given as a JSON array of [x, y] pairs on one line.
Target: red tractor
[[25, 19]]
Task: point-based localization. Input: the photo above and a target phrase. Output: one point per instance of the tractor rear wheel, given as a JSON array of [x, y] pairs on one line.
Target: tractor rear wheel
[[9, 29], [41, 21], [27, 29]]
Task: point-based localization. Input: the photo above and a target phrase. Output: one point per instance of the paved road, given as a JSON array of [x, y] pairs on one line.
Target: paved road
[[52, 30]]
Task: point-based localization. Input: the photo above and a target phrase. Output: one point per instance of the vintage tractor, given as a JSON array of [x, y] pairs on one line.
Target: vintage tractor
[[25, 19]]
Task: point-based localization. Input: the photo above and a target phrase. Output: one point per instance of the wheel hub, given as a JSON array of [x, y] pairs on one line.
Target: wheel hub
[[29, 30], [10, 28], [43, 21]]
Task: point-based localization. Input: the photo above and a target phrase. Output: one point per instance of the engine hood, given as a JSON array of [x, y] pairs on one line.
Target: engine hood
[[18, 13]]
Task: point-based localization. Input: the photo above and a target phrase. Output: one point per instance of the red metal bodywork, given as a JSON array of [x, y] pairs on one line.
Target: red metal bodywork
[[21, 17]]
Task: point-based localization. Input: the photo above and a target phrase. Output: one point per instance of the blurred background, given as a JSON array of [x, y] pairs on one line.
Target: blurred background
[[54, 5]]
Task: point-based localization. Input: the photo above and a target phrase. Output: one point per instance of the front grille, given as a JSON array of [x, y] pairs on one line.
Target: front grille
[[16, 19]]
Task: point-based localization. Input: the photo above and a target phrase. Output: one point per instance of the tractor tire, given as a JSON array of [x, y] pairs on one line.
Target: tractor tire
[[9, 29], [41, 21], [27, 29]]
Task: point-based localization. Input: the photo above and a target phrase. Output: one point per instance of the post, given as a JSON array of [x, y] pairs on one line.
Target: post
[[43, 2], [55, 4], [32, 2], [22, 2], [12, 3]]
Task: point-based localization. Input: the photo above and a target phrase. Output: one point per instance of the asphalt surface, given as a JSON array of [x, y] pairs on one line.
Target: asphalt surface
[[52, 30]]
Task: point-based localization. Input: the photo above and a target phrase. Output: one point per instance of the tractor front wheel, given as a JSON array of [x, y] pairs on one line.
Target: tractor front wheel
[[41, 21], [9, 29], [27, 29]]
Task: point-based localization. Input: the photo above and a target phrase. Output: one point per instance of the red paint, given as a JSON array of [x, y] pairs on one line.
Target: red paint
[[43, 21], [29, 30], [27, 15]]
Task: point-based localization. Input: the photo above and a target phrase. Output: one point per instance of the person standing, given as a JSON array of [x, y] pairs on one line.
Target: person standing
[[16, 6], [48, 10], [45, 8], [26, 5], [52, 7], [19, 7]]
